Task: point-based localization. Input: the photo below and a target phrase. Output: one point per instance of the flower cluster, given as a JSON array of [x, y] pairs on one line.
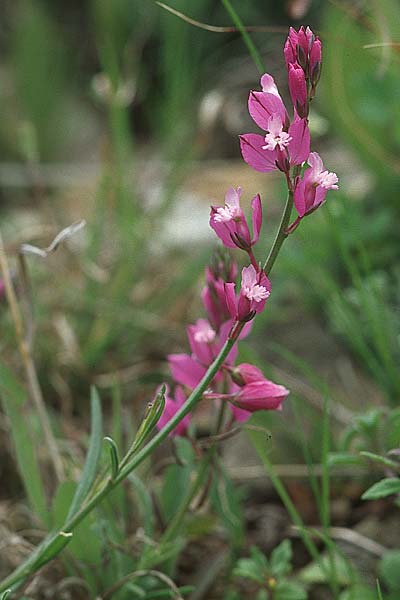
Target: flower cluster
[[285, 146], [286, 143]]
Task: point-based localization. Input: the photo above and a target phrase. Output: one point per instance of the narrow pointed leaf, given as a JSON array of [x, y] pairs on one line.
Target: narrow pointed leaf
[[93, 455], [114, 460]]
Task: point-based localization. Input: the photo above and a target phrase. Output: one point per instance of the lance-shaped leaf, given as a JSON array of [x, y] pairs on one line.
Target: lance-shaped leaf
[[114, 459], [93, 455], [153, 413]]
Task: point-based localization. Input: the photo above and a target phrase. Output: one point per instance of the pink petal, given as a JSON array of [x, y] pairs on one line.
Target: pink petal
[[185, 370], [249, 373], [249, 276], [239, 414], [299, 146], [256, 208], [232, 197], [268, 85], [202, 350], [230, 298], [262, 105], [299, 197], [223, 335], [253, 154]]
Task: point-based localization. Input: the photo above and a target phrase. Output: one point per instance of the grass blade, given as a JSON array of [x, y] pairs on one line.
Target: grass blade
[[93, 455], [14, 400]]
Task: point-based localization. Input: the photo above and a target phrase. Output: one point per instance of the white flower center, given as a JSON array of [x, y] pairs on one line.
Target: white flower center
[[256, 292], [205, 336], [328, 180], [273, 140], [226, 213]]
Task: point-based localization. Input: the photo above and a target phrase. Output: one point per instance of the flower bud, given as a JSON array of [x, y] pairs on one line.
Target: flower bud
[[246, 373], [298, 89], [261, 395]]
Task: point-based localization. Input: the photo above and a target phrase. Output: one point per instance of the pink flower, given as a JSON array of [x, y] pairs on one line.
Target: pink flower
[[284, 144], [254, 291], [170, 409], [257, 394], [298, 89], [205, 345], [260, 395], [229, 222], [311, 190]]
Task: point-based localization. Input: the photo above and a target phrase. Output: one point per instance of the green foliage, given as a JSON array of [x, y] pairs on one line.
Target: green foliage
[[16, 407], [84, 543], [389, 570], [383, 488], [271, 574], [226, 501]]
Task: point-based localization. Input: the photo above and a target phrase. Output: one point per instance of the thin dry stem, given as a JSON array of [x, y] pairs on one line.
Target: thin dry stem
[[29, 365]]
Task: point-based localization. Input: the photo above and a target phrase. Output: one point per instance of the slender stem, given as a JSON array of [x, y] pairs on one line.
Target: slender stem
[[255, 55], [30, 369], [253, 260], [281, 234]]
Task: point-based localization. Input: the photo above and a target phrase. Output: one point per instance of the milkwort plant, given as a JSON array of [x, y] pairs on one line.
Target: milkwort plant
[[210, 373]]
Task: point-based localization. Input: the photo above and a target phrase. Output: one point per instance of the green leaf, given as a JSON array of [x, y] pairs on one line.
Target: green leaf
[[5, 594], [114, 460], [379, 459], [259, 558], [382, 488], [84, 543], [288, 590], [225, 500], [153, 413], [93, 455], [357, 592], [389, 569], [316, 572], [15, 404], [336, 459], [280, 559], [249, 569], [144, 504]]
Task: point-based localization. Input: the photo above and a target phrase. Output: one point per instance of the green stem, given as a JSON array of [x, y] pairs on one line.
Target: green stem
[[255, 55], [281, 234]]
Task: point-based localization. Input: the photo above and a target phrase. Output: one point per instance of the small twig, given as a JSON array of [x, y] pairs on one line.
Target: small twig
[[30, 369], [214, 439], [63, 235], [221, 29], [143, 573], [352, 537], [381, 44], [294, 471]]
